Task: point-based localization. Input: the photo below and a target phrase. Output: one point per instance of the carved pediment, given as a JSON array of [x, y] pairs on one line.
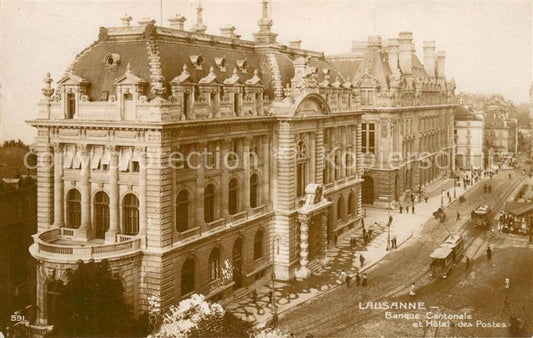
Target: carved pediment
[[211, 78], [254, 80], [234, 79], [367, 80], [312, 105], [183, 78], [72, 79], [128, 78]]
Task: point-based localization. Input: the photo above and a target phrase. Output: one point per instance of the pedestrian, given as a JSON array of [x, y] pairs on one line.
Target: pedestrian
[[371, 230], [426, 198], [394, 242], [412, 292], [507, 284], [467, 262], [348, 280], [489, 253], [362, 260], [357, 279], [343, 276], [401, 208], [253, 295], [270, 296], [390, 220], [506, 304], [413, 209], [364, 281], [458, 216], [448, 194]]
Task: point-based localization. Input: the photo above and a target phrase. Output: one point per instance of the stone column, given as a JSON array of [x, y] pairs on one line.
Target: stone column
[[265, 191], [323, 238], [58, 187], [200, 182], [249, 162], [85, 193], [226, 148], [142, 197], [114, 228], [342, 159], [303, 272], [312, 156], [319, 153]]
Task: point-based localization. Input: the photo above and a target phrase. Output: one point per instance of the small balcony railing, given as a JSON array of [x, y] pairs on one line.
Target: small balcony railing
[[58, 243]]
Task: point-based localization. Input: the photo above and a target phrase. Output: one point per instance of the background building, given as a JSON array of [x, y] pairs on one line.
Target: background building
[[408, 108], [501, 130], [468, 139], [261, 129], [18, 208]]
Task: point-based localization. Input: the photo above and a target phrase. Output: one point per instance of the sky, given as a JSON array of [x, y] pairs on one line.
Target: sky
[[488, 44]]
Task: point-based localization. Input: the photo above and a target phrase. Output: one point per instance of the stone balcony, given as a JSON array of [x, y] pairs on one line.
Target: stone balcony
[[61, 245]]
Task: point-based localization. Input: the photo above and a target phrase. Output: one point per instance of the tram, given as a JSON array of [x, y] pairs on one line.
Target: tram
[[482, 216], [446, 256]]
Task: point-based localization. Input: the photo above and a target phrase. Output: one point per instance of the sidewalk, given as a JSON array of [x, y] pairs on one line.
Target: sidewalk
[[324, 279]]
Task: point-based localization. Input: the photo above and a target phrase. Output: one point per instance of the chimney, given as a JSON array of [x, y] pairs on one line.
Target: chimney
[[126, 19], [228, 32], [359, 47], [406, 50], [295, 44], [374, 41], [441, 57], [392, 51], [177, 22], [429, 58], [146, 21], [199, 27]]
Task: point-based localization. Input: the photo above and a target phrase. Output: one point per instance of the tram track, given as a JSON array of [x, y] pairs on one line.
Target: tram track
[[344, 318]]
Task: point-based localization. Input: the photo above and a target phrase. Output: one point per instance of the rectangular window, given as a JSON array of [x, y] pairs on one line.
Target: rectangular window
[[368, 138], [71, 105], [134, 166]]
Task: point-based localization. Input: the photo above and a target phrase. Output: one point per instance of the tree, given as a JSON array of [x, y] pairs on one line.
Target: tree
[[197, 317], [93, 304]]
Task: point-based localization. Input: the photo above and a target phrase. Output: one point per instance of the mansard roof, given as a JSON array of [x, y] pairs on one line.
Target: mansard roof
[[158, 55]]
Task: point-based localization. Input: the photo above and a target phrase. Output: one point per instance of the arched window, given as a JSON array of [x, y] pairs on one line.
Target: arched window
[[340, 208], [130, 214], [73, 209], [187, 276], [301, 168], [258, 244], [54, 293], [182, 211], [209, 203], [351, 203], [101, 214], [254, 191], [214, 264], [233, 196]]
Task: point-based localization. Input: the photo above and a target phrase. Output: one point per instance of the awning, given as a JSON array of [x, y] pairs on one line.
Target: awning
[[77, 160], [96, 158], [125, 158], [518, 208], [68, 156], [441, 253]]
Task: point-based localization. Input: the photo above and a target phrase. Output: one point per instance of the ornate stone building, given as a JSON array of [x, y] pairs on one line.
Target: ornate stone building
[[408, 106], [193, 162]]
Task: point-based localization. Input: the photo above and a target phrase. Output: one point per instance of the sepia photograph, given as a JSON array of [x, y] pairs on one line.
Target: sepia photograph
[[266, 168]]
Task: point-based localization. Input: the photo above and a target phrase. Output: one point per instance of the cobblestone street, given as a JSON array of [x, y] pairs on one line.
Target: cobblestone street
[[337, 313]]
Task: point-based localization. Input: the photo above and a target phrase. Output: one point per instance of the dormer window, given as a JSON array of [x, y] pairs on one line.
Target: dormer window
[[242, 65], [221, 63], [71, 105], [197, 61], [111, 60]]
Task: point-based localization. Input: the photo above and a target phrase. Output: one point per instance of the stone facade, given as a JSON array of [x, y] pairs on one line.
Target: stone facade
[[194, 162], [407, 126], [469, 141], [501, 130]]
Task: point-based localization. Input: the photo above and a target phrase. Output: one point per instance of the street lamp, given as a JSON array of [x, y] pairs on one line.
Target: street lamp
[[454, 184], [274, 309]]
